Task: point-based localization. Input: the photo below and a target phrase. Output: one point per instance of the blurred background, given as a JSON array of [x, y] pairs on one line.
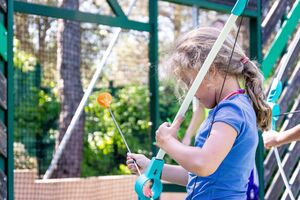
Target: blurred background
[[54, 61]]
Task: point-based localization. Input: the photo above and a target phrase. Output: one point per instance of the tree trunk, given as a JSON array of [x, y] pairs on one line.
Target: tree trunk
[[70, 87]]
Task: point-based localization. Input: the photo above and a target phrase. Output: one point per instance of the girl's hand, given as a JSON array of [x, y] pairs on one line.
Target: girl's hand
[[167, 131], [271, 139], [141, 160]]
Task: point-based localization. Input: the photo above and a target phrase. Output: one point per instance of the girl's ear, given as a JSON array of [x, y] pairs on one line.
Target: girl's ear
[[213, 71], [211, 75]]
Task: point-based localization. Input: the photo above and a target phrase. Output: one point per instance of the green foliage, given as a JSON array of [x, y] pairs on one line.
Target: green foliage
[[35, 119], [21, 158], [37, 113], [169, 105], [22, 59], [36, 109], [104, 150]]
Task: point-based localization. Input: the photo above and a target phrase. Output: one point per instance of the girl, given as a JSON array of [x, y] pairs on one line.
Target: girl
[[219, 164]]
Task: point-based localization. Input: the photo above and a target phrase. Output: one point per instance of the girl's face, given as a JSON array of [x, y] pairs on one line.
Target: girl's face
[[206, 92]]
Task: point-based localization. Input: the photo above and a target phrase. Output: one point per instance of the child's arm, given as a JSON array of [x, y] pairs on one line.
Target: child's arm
[[171, 173], [272, 138], [201, 161], [175, 174], [197, 119]]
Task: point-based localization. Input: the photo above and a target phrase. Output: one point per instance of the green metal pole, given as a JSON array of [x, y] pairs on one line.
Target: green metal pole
[[68, 14], [256, 53], [260, 166], [281, 39], [256, 39], [211, 5], [10, 103], [153, 72]]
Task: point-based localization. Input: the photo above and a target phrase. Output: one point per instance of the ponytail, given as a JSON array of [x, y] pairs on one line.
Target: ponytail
[[254, 88]]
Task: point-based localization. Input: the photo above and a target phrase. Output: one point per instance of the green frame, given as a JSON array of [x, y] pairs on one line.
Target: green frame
[[153, 72], [116, 8], [209, 5], [55, 12], [256, 53], [281, 39], [3, 37], [10, 101], [3, 22], [7, 116]]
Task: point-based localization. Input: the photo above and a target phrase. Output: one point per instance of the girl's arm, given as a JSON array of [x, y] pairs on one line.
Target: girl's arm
[[175, 174], [201, 161], [197, 119], [272, 138]]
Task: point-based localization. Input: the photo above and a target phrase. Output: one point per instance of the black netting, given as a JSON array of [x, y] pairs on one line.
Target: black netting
[[44, 79]]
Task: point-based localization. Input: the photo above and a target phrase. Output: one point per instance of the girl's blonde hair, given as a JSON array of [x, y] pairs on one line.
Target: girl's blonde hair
[[191, 51]]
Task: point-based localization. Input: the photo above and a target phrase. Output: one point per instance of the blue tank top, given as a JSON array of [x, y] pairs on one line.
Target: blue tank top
[[230, 180]]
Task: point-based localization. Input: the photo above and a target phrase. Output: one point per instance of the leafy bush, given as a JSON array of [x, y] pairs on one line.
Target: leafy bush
[[21, 158], [36, 109], [35, 121], [104, 150], [169, 105]]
